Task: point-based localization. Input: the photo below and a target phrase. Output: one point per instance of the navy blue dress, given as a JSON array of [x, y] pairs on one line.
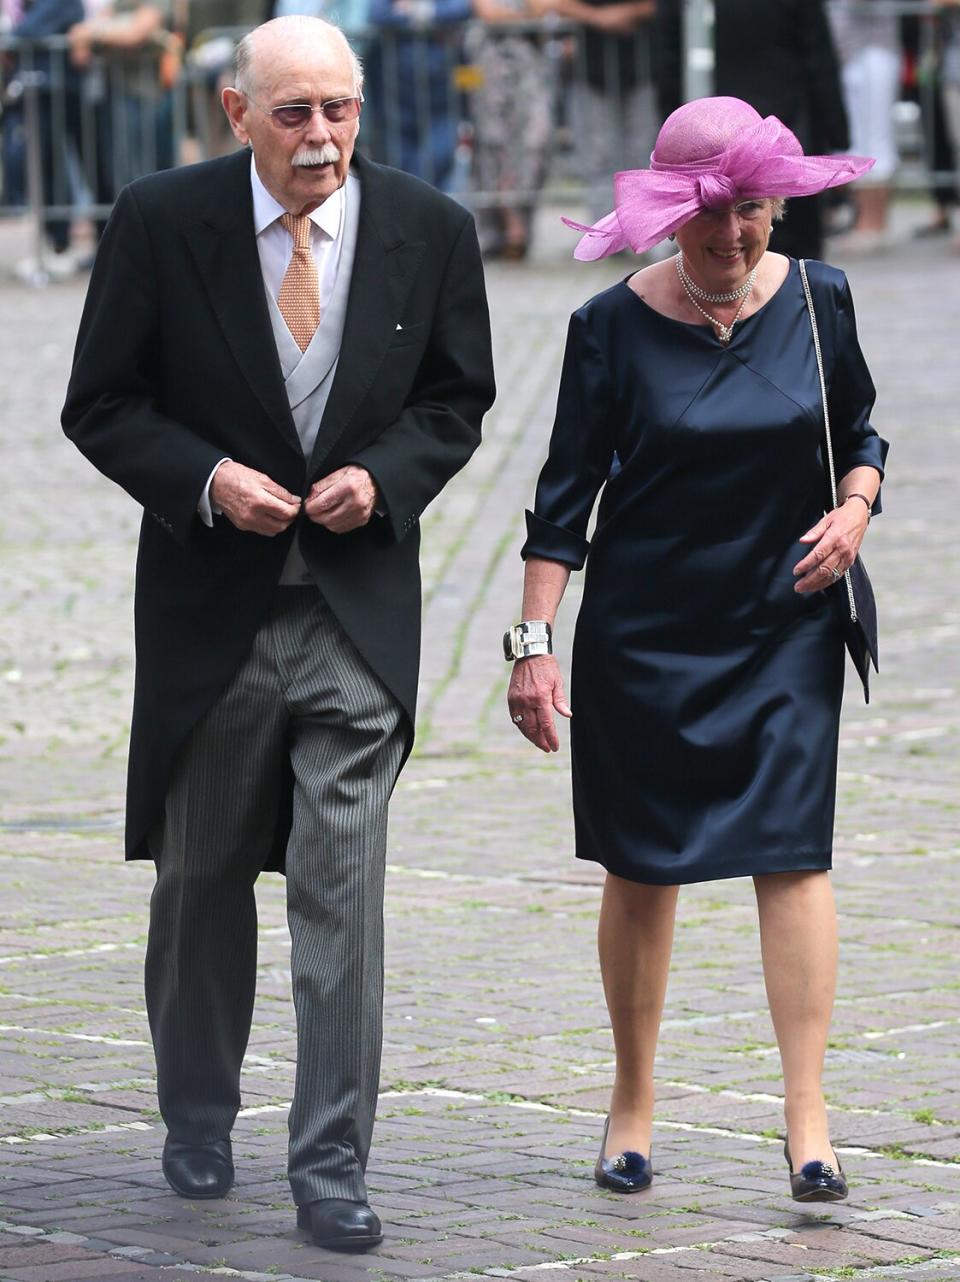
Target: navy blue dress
[[705, 691]]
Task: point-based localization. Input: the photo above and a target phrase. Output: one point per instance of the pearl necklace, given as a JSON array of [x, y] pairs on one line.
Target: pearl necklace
[[704, 295], [724, 332]]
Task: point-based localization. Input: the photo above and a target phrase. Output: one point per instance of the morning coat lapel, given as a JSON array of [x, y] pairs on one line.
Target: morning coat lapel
[[384, 269], [224, 247]]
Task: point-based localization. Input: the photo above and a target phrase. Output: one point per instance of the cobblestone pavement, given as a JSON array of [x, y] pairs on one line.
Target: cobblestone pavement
[[497, 1061]]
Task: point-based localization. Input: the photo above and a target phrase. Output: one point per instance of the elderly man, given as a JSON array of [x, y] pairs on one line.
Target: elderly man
[[283, 357]]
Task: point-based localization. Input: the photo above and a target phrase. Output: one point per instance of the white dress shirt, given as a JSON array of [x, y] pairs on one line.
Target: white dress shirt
[[275, 247]]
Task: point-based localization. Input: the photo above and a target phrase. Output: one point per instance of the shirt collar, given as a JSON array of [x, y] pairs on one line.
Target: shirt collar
[[327, 217]]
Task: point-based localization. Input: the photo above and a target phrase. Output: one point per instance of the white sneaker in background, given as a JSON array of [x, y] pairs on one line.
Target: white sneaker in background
[[861, 244], [33, 271]]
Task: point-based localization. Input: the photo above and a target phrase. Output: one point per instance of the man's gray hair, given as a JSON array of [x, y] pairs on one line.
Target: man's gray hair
[[243, 78]]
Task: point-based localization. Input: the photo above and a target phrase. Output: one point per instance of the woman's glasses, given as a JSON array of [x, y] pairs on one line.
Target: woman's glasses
[[297, 115], [747, 211]]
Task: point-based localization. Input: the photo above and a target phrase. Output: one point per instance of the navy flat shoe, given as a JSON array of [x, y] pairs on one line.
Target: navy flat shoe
[[816, 1181], [628, 1172]]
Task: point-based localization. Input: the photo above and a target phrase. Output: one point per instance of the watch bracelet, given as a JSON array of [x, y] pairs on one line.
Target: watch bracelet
[[527, 638]]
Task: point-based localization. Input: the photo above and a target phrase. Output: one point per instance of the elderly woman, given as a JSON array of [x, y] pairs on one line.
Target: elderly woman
[[708, 659]]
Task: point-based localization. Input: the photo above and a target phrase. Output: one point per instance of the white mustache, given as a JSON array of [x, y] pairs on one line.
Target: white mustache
[[328, 154]]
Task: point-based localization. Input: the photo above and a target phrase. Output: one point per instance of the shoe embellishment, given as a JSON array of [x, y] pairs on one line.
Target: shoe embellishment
[[816, 1181], [629, 1163], [627, 1172]]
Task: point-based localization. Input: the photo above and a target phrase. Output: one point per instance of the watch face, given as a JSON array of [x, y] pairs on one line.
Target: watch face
[[508, 645]]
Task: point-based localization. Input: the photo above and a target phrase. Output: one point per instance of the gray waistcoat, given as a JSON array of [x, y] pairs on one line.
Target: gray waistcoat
[[308, 376]]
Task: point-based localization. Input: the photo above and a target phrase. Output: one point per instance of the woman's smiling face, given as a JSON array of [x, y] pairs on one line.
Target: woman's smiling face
[[722, 247]]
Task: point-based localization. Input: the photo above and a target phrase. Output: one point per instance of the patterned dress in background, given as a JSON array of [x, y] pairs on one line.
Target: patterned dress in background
[[513, 123]]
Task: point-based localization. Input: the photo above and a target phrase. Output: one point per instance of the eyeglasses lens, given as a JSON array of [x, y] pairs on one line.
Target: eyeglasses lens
[[341, 109]]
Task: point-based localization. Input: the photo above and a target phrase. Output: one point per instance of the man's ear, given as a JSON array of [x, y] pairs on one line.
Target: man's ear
[[235, 105]]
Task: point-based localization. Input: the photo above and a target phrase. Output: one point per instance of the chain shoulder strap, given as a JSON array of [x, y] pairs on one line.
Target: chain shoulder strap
[[826, 416]]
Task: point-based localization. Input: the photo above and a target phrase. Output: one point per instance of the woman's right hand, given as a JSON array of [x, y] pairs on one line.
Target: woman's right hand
[[536, 689]]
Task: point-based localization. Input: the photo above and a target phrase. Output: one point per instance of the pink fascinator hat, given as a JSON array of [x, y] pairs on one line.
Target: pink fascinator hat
[[710, 154]]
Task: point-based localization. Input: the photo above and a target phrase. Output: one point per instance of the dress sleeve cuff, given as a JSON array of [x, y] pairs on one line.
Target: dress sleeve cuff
[[554, 542], [870, 453]]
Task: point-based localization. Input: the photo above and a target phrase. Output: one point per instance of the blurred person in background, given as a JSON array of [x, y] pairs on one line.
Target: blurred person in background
[[613, 106], [138, 53], [12, 134], [942, 154], [868, 40], [59, 119], [410, 65], [209, 55], [920, 36], [780, 58], [950, 78], [512, 120]]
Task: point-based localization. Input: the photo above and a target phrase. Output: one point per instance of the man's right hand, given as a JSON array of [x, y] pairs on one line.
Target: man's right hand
[[251, 501]]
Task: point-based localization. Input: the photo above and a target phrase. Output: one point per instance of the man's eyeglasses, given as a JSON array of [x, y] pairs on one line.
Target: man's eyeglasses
[[297, 115]]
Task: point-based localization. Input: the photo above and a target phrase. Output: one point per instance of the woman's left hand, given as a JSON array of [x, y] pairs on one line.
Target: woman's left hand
[[836, 541]]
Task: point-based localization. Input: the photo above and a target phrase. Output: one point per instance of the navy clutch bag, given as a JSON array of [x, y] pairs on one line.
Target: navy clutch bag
[[859, 620]]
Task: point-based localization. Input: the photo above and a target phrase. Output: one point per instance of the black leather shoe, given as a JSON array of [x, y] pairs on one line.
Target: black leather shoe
[[816, 1181], [340, 1225], [628, 1172], [198, 1170]]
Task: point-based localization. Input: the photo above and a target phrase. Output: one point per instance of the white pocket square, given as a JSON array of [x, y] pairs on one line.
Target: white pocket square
[[399, 326]]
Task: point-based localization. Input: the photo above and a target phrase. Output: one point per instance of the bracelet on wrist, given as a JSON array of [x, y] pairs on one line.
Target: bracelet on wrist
[[857, 495], [528, 637]]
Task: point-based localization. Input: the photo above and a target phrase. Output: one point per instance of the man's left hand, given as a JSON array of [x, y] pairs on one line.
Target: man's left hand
[[344, 500]]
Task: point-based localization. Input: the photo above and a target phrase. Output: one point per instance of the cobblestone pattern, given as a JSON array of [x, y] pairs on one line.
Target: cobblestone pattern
[[498, 1059]]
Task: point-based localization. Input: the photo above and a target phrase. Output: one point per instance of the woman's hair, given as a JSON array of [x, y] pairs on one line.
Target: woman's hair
[[778, 208]]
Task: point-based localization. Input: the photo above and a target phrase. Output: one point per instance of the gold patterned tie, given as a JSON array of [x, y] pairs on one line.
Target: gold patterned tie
[[299, 298]]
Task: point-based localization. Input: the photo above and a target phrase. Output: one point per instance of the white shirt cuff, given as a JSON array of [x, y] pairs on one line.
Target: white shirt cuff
[[205, 509]]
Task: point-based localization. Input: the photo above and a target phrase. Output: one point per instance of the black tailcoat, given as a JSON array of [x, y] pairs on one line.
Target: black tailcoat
[[176, 367]]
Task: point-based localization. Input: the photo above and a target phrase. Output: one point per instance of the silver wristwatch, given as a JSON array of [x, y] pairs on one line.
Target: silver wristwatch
[[531, 636]]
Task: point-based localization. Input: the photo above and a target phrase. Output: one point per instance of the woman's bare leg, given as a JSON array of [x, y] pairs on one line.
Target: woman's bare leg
[[798, 940], [635, 939]]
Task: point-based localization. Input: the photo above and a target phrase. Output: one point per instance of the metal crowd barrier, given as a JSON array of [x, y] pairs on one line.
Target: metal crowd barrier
[[452, 103], [72, 137]]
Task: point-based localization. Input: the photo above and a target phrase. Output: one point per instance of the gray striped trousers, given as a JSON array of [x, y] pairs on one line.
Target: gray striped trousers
[[304, 700]]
